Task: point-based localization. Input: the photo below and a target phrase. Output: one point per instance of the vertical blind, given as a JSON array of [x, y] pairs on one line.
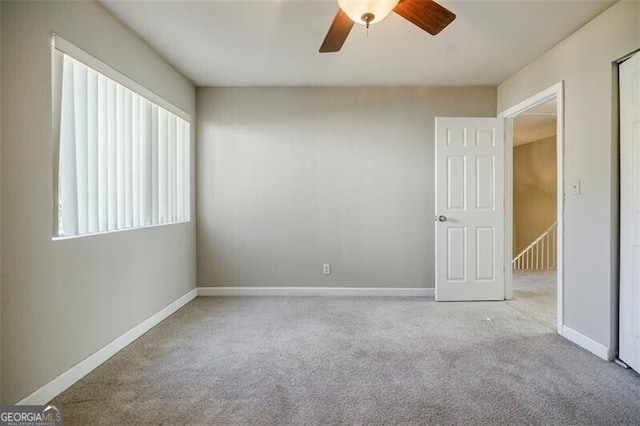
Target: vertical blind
[[123, 160]]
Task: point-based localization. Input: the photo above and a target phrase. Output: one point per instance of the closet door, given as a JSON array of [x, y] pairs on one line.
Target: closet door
[[630, 212]]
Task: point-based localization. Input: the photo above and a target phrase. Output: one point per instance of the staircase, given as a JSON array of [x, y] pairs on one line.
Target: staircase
[[540, 255]]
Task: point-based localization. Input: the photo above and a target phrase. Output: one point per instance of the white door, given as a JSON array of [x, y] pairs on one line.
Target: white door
[[469, 209], [630, 212]]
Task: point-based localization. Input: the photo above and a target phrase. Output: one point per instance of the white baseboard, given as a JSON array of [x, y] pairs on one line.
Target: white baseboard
[[587, 343], [313, 291], [56, 386]]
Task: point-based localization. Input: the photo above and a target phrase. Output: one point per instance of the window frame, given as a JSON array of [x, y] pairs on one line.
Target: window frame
[[65, 47]]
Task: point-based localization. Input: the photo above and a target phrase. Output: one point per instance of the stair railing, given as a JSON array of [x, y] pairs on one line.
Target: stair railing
[[541, 254]]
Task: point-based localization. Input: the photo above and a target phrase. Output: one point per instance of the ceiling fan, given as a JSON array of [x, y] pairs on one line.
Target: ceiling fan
[[426, 14]]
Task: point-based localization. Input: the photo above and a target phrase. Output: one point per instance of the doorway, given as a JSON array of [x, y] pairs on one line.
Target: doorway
[[534, 225], [534, 205]]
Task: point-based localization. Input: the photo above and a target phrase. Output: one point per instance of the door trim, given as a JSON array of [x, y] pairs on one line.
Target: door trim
[[556, 91]]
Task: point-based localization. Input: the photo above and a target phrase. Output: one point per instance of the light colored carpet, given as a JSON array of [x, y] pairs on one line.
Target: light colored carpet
[[315, 360], [535, 295]]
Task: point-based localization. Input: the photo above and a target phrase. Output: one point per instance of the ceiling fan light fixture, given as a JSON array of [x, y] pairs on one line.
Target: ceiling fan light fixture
[[366, 12], [425, 14]]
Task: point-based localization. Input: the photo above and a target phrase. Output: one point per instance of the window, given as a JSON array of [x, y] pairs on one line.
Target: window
[[122, 159]]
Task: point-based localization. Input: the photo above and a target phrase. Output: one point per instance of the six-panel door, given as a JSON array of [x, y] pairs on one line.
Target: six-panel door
[[469, 209]]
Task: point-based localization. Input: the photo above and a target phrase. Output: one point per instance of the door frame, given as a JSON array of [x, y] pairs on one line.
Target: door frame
[[556, 91]]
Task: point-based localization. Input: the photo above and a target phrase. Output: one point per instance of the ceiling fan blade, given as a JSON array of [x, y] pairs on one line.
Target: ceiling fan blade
[[426, 14], [338, 32]]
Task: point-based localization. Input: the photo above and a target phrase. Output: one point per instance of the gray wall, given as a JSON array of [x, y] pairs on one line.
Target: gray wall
[[585, 62], [63, 300], [291, 178]]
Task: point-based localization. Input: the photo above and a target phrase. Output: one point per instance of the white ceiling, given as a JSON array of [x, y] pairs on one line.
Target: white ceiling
[[275, 42], [535, 124]]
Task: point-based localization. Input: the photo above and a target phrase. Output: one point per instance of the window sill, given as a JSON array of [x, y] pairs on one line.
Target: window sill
[[115, 231]]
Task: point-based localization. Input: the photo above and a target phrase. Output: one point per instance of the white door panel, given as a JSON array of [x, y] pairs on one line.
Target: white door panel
[[630, 212], [469, 209]]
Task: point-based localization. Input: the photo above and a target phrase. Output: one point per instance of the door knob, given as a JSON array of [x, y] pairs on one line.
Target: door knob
[[442, 218]]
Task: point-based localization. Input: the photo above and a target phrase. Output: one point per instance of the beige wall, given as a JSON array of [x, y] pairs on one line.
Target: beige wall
[[291, 178], [63, 300], [534, 190], [584, 61]]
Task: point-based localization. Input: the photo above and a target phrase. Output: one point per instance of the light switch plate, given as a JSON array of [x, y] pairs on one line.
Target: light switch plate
[[574, 187]]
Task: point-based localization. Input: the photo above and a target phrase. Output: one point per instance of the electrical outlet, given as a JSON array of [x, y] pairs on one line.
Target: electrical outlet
[[326, 269]]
